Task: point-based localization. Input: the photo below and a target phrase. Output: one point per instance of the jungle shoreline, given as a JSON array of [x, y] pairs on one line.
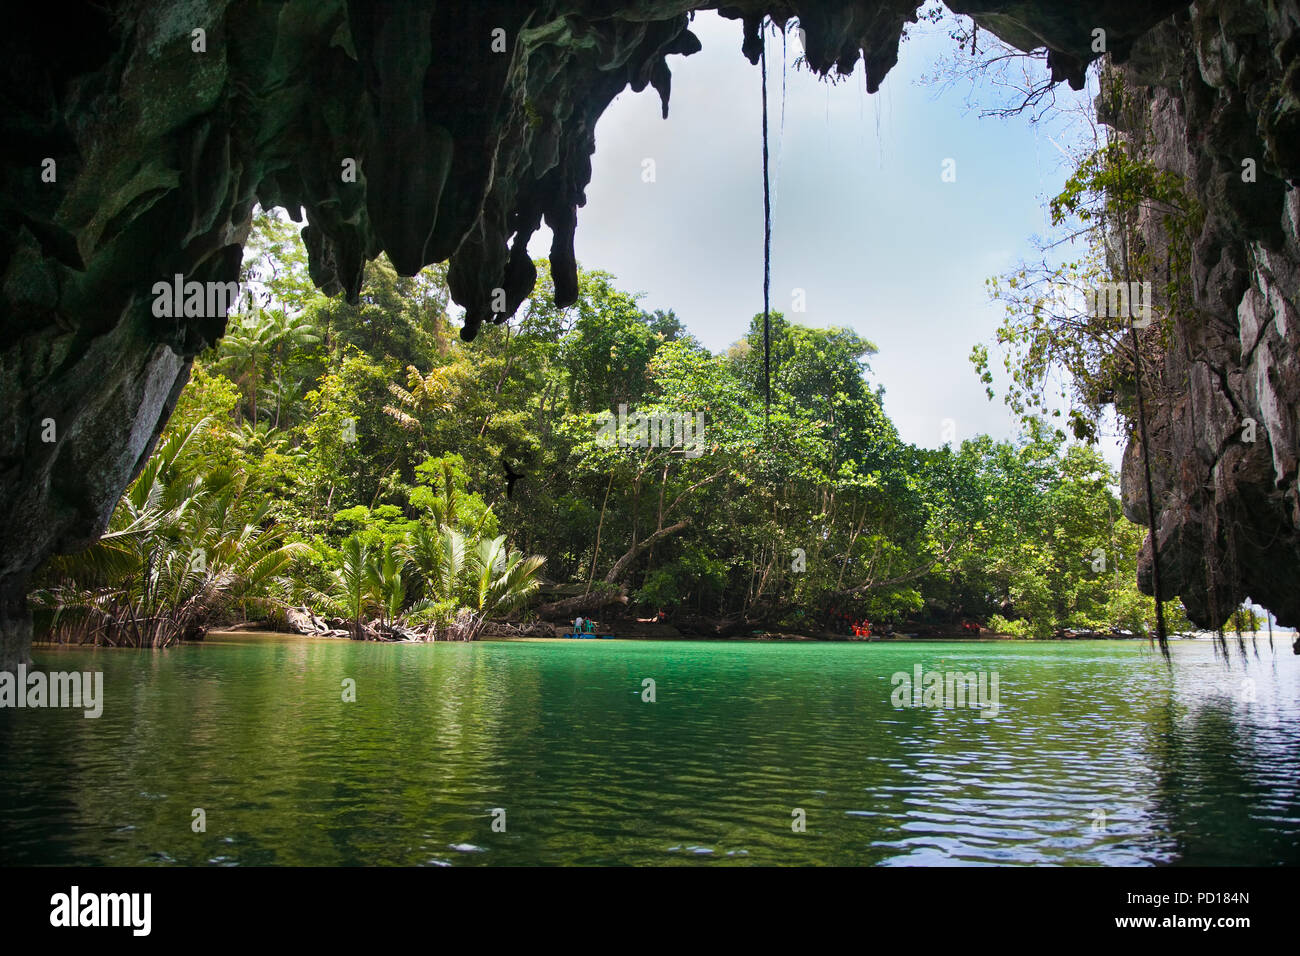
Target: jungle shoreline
[[788, 637], [218, 636]]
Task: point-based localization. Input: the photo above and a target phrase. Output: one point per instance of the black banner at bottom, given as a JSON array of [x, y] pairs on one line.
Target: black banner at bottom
[[333, 907]]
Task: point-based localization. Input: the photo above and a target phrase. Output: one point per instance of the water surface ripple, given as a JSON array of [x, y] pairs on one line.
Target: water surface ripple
[[1098, 754]]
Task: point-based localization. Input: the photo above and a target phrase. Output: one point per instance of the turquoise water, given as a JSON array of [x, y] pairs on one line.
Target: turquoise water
[[1194, 764]]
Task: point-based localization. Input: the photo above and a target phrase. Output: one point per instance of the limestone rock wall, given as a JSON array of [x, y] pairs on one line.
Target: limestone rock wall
[[1217, 87]]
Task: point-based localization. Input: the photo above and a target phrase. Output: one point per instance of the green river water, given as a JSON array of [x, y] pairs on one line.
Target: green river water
[[1194, 764]]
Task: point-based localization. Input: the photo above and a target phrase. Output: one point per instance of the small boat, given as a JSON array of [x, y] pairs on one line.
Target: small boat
[[590, 637]]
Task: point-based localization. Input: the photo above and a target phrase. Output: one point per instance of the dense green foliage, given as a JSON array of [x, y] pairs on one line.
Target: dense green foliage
[[360, 455], [1062, 358], [190, 539]]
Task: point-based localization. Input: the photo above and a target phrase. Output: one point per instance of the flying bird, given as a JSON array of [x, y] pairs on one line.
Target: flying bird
[[511, 478]]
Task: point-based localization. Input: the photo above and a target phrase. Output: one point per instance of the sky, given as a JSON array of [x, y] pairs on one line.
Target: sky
[[862, 220]]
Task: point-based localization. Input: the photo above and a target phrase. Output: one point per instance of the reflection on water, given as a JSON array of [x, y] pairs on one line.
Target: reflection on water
[[1098, 754]]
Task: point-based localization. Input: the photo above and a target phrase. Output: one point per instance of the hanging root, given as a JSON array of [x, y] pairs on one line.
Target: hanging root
[[767, 247]]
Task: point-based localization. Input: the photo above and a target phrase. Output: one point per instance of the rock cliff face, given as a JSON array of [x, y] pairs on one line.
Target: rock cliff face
[[138, 136], [1218, 95]]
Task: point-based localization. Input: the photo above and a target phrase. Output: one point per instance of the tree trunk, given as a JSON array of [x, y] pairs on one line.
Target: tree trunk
[[600, 525], [593, 601], [622, 565]]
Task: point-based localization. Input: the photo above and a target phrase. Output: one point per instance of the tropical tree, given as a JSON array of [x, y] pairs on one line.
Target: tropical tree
[[180, 550], [501, 578], [351, 581], [243, 351], [385, 582]]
